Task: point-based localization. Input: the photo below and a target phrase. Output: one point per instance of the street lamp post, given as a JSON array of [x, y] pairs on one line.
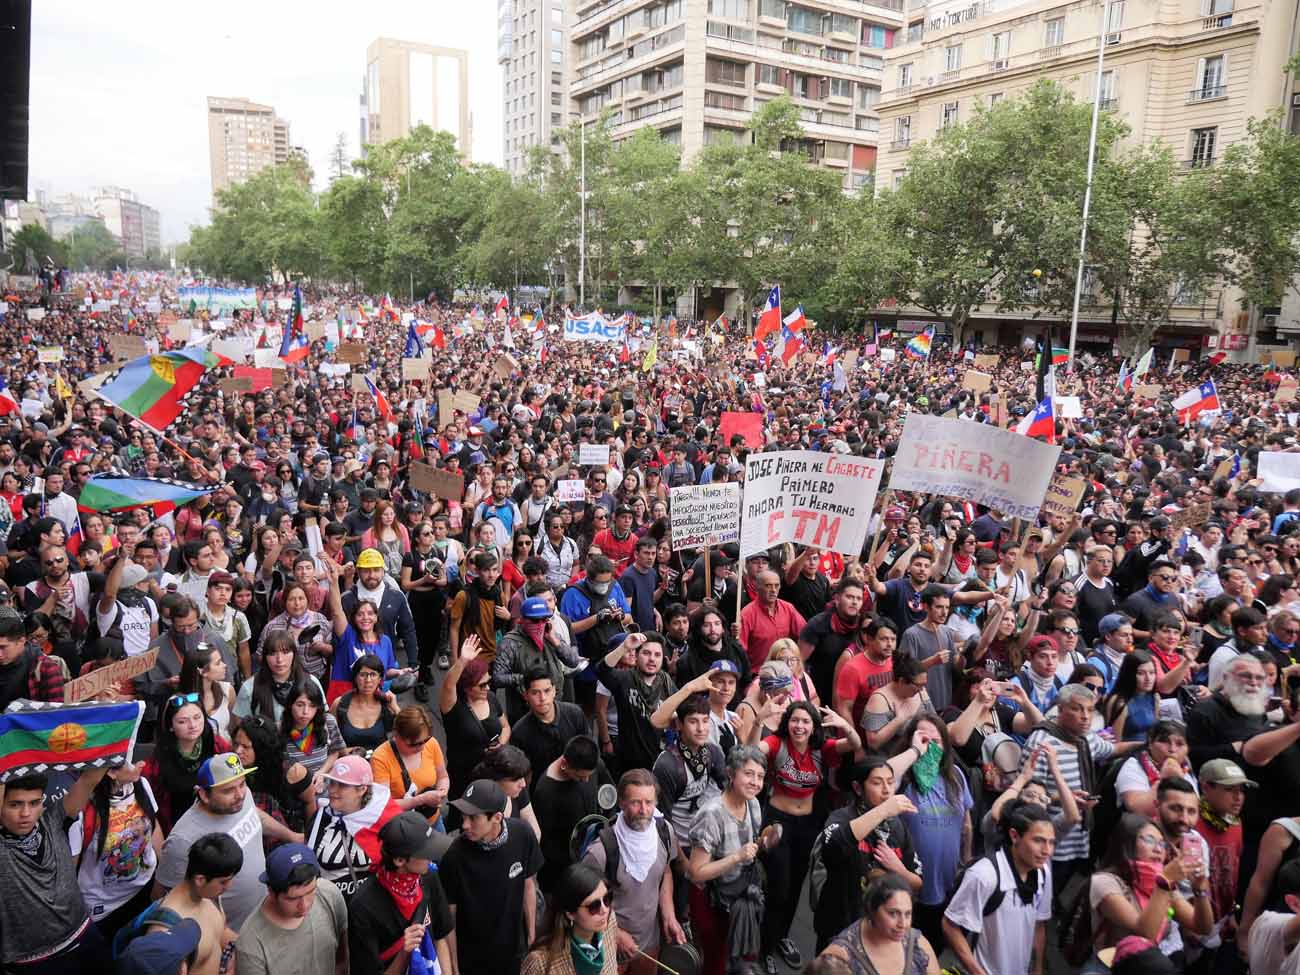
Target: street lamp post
[[582, 226], [1087, 190]]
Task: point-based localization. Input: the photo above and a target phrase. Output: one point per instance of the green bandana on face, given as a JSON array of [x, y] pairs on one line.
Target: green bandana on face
[[926, 770]]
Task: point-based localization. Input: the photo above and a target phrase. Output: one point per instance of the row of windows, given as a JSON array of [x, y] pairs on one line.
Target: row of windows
[[529, 19], [648, 18]]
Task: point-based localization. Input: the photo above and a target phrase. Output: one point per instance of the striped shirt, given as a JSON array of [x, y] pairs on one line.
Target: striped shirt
[[1074, 844]]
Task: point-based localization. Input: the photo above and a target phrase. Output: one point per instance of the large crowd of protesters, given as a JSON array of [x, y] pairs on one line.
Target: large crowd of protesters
[[502, 732]]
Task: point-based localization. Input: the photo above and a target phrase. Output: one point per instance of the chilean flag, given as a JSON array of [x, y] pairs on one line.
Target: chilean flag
[[502, 309], [353, 430], [791, 344], [386, 310], [1125, 377], [1204, 397], [829, 354], [381, 401], [295, 346], [795, 320], [761, 353], [414, 347], [7, 402], [439, 339], [1217, 358], [1040, 423], [769, 319]]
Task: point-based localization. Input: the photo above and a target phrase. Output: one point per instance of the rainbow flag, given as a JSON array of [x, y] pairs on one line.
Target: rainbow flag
[[918, 347], [38, 737], [118, 492], [154, 388]]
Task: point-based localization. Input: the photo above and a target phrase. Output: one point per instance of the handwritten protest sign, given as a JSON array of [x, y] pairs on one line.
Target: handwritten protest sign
[[440, 483], [595, 454], [353, 353], [888, 355], [982, 464], [49, 353], [1224, 469], [1146, 391], [1063, 495], [986, 362], [574, 489], [180, 331], [415, 370], [127, 346], [315, 330], [746, 423], [505, 365], [35, 314], [1279, 472], [1191, 516], [1286, 390], [705, 514], [1068, 407], [975, 381], [467, 403], [811, 498], [106, 678], [234, 385]]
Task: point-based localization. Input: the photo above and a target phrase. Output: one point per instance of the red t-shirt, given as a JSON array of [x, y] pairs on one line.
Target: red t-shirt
[[798, 777], [620, 552], [1225, 864], [859, 678]]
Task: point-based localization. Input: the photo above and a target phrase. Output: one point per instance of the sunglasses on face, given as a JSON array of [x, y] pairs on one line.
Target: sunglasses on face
[[598, 905]]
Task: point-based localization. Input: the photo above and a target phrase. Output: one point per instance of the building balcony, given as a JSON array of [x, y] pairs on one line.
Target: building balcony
[[1207, 93], [1047, 53], [1217, 23], [1198, 162], [1109, 104], [900, 143]]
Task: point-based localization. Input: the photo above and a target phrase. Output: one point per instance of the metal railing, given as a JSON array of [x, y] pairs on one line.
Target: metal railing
[[1206, 93]]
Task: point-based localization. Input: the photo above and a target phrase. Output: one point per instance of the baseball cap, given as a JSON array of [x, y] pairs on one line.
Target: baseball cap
[[351, 770], [257, 465], [895, 514], [161, 952], [409, 835], [133, 575], [535, 608], [1224, 771], [482, 797], [370, 559], [221, 770], [725, 666], [1111, 622], [281, 862]]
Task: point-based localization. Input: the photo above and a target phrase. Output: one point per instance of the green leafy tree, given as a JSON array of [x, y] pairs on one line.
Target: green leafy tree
[[32, 245], [354, 231], [93, 247]]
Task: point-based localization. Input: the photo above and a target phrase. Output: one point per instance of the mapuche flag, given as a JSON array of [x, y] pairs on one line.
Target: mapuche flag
[[36, 737], [118, 492]]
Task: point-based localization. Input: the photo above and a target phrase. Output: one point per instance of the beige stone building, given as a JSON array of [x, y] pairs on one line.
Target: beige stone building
[[1188, 73], [243, 138], [531, 50], [407, 84], [697, 70]]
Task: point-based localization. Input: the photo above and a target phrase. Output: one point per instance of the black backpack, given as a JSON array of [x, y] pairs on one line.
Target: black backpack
[[609, 841]]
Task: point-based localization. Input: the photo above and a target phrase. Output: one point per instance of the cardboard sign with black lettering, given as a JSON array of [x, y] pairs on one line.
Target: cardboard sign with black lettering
[[985, 361], [505, 365], [127, 346], [353, 353], [976, 382], [106, 678], [439, 483], [1190, 517], [1063, 495], [234, 385], [415, 370]]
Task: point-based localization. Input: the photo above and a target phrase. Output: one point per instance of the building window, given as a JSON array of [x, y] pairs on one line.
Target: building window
[[873, 35], [994, 98], [1203, 141], [769, 74], [898, 177], [803, 21], [557, 57], [722, 99], [557, 78], [557, 16], [557, 38], [1108, 99], [1115, 19], [725, 73], [844, 24], [902, 131], [1210, 78], [732, 9], [715, 136], [841, 88], [1054, 32], [772, 8], [867, 96], [904, 77], [952, 58], [556, 119], [1001, 52], [949, 113]]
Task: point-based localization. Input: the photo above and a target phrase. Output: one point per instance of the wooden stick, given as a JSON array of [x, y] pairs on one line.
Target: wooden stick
[[708, 575], [875, 540], [672, 971]]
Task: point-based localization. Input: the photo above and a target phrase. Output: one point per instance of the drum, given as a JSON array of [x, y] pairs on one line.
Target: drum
[[682, 959]]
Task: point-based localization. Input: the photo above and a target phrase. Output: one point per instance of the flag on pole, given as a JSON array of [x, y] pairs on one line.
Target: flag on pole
[[651, 356], [918, 347], [508, 340], [1125, 382], [74, 539], [1217, 358], [761, 354], [7, 402], [883, 332], [439, 339], [295, 345], [829, 354], [154, 388], [1144, 364], [791, 344], [414, 347], [118, 492], [381, 401], [769, 319], [1040, 423], [48, 737], [1197, 400], [501, 310], [416, 447], [386, 310], [353, 430], [795, 320]]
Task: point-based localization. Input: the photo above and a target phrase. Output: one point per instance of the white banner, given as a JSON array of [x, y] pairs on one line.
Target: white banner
[[974, 462], [1279, 472], [592, 328], [574, 489], [822, 500], [595, 454], [704, 514]]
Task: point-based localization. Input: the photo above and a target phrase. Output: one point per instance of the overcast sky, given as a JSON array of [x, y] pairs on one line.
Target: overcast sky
[[118, 92]]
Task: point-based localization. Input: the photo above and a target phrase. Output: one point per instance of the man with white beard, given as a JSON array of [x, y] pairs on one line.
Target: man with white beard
[[1231, 724], [635, 855]]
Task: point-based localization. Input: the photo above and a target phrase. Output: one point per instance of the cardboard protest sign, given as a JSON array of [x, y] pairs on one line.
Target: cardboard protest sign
[[359, 384], [975, 381], [810, 498], [445, 400], [1224, 469], [1286, 391], [440, 483], [1068, 407], [574, 489], [593, 454], [1026, 366], [353, 353], [1064, 494], [35, 314], [49, 353], [260, 378], [234, 385], [1191, 516], [1146, 391], [106, 678], [1280, 359], [415, 370], [127, 346], [180, 331], [986, 362], [314, 330], [850, 360], [704, 514], [505, 365], [982, 464], [888, 355], [1184, 355], [467, 403], [746, 423], [1279, 472]]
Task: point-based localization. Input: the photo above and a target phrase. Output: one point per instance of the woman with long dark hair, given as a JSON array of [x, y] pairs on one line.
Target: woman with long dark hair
[[186, 739], [311, 735], [309, 631], [1133, 705], [281, 790], [885, 942], [365, 714], [584, 931], [268, 692], [355, 636], [798, 756], [119, 851], [204, 671]]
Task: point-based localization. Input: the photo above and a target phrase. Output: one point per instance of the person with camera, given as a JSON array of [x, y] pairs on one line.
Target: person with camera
[[597, 609], [425, 580]]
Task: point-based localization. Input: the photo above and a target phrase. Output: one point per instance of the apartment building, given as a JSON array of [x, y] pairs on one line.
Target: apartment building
[[697, 70], [243, 138], [531, 49], [407, 84], [1188, 73], [133, 223]]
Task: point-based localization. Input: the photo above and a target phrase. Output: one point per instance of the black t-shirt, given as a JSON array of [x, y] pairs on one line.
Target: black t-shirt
[[639, 742], [467, 739], [827, 646], [809, 596], [1092, 604], [558, 806], [356, 522], [487, 888], [312, 491], [544, 743], [428, 599], [375, 925], [850, 866]]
